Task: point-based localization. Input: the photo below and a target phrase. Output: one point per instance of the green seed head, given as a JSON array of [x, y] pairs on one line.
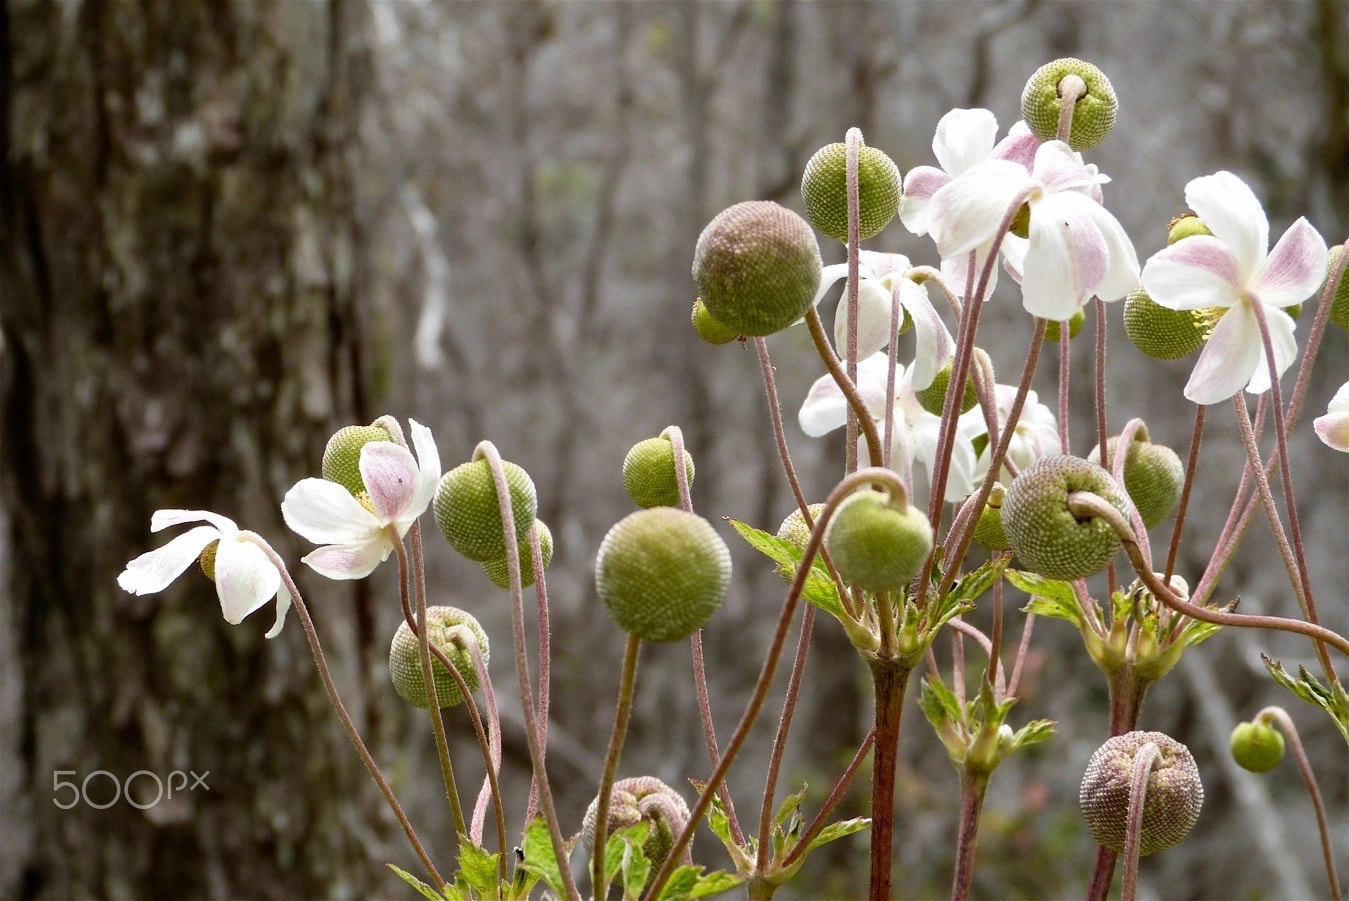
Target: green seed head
[[1153, 476], [933, 397], [757, 265], [662, 573], [1257, 746], [451, 630], [630, 802], [1042, 531], [794, 529], [1052, 333], [707, 326], [1339, 305], [342, 456], [876, 544], [206, 560], [1166, 334], [988, 531], [1186, 226], [1093, 116], [649, 473], [468, 514], [824, 186], [499, 571], [1172, 803]]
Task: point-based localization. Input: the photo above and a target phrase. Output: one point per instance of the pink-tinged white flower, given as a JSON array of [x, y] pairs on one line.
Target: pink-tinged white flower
[[879, 274], [915, 430], [245, 578], [1234, 269], [1333, 428], [1036, 434], [355, 537], [1075, 247]]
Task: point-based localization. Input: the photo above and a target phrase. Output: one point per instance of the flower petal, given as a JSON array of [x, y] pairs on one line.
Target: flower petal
[[282, 605], [1228, 360], [1294, 269], [874, 304], [934, 341], [1281, 327], [1233, 213], [919, 186], [1059, 169], [244, 578], [964, 138], [829, 275], [162, 519], [968, 211], [428, 466], [1065, 260], [1018, 146], [154, 570], [1333, 428], [326, 513], [824, 408], [1121, 273], [349, 561], [391, 478], [1192, 274]]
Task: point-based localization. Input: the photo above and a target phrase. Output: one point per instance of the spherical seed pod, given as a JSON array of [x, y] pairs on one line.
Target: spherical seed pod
[[449, 629], [1163, 333], [1257, 746], [708, 327], [1174, 794], [1339, 304], [988, 530], [342, 456], [1093, 116], [1045, 535], [1074, 326], [757, 265], [662, 573], [636, 799], [877, 544], [933, 397], [794, 529], [824, 187], [1187, 226], [469, 516], [1153, 475], [649, 473], [499, 571]]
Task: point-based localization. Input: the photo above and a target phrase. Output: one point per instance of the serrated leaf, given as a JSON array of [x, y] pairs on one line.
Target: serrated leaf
[[636, 867], [422, 888], [819, 589], [1309, 688], [1049, 597], [621, 846], [689, 881], [478, 868], [539, 859], [836, 831], [1033, 733], [790, 805], [973, 584], [939, 703]]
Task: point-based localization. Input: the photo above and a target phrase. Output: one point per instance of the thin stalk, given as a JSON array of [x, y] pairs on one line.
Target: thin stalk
[[827, 808], [891, 681], [848, 385], [1065, 354], [972, 788], [1191, 466], [1279, 716], [1133, 836], [491, 789], [856, 415], [545, 662], [627, 686]]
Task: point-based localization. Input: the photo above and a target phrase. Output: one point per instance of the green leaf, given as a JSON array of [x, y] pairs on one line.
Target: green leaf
[[1033, 733], [836, 831], [539, 859], [689, 881], [478, 868], [790, 805], [1333, 700], [422, 888], [1049, 597], [819, 589], [972, 585], [635, 866], [621, 848], [939, 703]]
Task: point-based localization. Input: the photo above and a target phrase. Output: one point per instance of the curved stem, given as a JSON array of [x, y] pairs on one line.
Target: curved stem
[[1279, 716], [856, 415], [627, 685], [1071, 89], [1133, 836], [856, 406], [836, 795]]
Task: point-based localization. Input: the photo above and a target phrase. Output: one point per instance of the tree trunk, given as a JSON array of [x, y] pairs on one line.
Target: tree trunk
[[179, 261]]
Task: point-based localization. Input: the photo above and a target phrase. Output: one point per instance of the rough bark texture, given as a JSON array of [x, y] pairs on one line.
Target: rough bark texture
[[179, 256]]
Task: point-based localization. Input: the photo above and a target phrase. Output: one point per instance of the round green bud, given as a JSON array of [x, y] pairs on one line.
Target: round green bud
[[876, 544], [1339, 304], [1093, 116], [1044, 533], [1153, 476], [468, 514], [707, 326], [988, 530], [824, 186], [649, 473], [1187, 226], [342, 456], [757, 265], [499, 571], [630, 802], [1074, 326], [662, 573], [1162, 333], [1257, 746], [1172, 802], [449, 629], [933, 397], [794, 529]]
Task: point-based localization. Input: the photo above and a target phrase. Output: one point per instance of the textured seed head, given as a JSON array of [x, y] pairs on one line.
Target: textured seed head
[[342, 456], [1093, 116], [794, 528], [933, 396], [649, 473], [1153, 476], [875, 544], [1166, 334], [499, 571], [630, 802], [824, 186], [662, 573], [1339, 305], [451, 630], [206, 560], [1047, 537], [988, 531], [708, 327], [1052, 333], [469, 516], [1257, 746], [757, 265], [1174, 793], [1186, 226]]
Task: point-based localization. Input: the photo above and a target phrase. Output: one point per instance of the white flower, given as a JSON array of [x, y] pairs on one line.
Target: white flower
[[1333, 428], [1036, 434], [245, 579], [1234, 269], [357, 538], [1076, 248]]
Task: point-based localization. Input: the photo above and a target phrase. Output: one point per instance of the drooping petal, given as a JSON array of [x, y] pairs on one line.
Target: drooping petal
[[934, 341], [1193, 274], [1281, 327], [391, 478], [829, 275], [919, 185], [162, 519], [824, 408], [1228, 360], [244, 578], [1333, 428], [873, 318], [349, 561], [154, 570], [1065, 260], [282, 606], [1294, 269], [1059, 169], [428, 466], [1121, 273], [968, 211], [326, 513], [963, 139], [1018, 146], [1233, 213]]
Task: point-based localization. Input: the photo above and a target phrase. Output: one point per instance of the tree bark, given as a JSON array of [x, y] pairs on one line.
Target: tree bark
[[179, 262]]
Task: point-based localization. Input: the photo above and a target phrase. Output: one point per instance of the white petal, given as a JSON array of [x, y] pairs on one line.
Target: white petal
[[1281, 327], [933, 340], [1294, 269], [348, 561], [390, 476], [326, 513], [1333, 428], [1121, 274], [428, 465], [1228, 360], [244, 578], [829, 275], [873, 319], [1192, 274], [1066, 258], [1232, 212], [964, 138], [282, 605], [824, 408], [968, 211], [154, 570], [1059, 169], [919, 185], [162, 519], [1340, 402]]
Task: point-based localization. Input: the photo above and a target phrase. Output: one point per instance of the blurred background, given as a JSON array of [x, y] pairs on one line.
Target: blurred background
[[229, 228]]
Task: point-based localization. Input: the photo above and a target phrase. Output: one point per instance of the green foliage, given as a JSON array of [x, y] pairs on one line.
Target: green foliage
[[539, 861], [426, 891], [1333, 700], [819, 589]]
